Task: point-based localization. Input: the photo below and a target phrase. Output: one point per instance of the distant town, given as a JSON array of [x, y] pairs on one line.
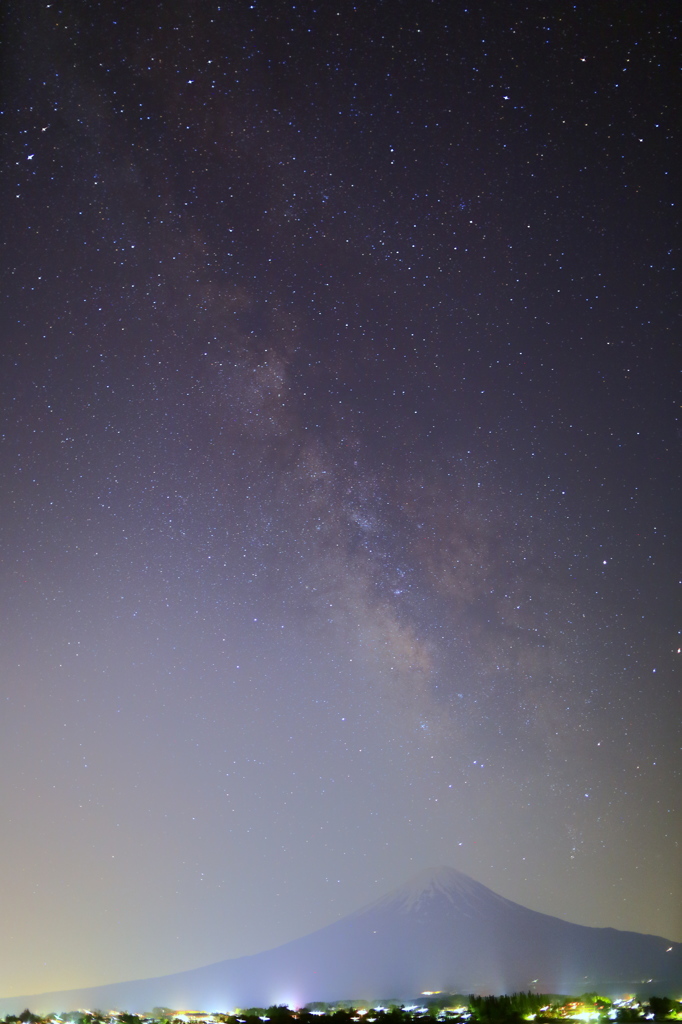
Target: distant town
[[430, 1007]]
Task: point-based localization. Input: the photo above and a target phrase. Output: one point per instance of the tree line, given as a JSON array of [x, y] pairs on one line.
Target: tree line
[[456, 1009]]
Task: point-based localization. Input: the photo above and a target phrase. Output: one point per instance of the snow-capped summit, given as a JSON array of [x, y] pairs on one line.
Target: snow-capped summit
[[444, 884]]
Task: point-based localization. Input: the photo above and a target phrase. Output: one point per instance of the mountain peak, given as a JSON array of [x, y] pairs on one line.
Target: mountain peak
[[442, 876], [441, 884]]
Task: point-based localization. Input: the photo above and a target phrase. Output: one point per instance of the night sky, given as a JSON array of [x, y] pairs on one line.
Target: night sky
[[340, 456]]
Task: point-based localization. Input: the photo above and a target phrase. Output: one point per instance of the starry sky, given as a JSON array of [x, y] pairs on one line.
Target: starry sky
[[340, 456]]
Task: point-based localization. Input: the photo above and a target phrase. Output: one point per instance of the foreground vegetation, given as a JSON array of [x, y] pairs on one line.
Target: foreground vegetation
[[431, 1008]]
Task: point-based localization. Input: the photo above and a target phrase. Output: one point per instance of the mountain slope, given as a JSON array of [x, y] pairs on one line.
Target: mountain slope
[[440, 931]]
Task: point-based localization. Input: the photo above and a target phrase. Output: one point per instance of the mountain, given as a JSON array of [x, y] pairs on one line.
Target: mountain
[[440, 931]]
